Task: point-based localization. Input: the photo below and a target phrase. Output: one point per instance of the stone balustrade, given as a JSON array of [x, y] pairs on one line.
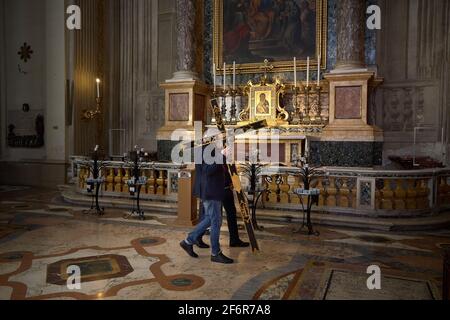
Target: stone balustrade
[[162, 183], [380, 193], [364, 192]]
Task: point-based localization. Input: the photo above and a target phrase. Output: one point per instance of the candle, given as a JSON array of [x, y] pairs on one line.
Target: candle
[[318, 70], [234, 75], [214, 76], [307, 72], [224, 76], [98, 87], [306, 147], [295, 72]]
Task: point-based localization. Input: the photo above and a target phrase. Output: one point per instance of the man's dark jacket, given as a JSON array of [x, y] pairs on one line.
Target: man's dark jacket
[[210, 181]]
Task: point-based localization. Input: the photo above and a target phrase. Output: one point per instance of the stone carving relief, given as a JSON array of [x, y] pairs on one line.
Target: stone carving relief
[[403, 108]]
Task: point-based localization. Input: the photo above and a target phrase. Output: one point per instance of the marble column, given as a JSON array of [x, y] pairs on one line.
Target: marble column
[[186, 42], [350, 35]]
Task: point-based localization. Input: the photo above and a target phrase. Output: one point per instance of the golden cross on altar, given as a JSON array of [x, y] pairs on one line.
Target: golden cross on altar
[[266, 67]]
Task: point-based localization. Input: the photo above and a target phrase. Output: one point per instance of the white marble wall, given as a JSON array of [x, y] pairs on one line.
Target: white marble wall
[[413, 57], [38, 82]]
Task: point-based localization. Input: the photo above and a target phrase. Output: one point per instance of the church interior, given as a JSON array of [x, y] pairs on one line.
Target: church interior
[[333, 116]]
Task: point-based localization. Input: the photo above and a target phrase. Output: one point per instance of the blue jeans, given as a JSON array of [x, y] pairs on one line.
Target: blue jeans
[[212, 218]]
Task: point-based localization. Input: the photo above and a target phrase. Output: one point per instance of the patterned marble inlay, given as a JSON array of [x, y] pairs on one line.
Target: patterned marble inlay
[[174, 182], [92, 268], [332, 37], [107, 269], [346, 154], [181, 282], [179, 107], [11, 256], [344, 285], [208, 41], [371, 40], [365, 193], [348, 102]]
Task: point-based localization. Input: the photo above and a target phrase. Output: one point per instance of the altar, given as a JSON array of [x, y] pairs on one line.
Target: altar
[[325, 120]]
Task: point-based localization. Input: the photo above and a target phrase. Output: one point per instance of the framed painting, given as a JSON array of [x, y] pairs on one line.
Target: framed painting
[[250, 31], [263, 102]]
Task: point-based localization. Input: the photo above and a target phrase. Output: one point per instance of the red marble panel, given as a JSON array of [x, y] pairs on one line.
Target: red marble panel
[[348, 102], [200, 110], [179, 107]]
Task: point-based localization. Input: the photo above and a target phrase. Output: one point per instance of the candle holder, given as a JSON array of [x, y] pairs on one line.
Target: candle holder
[[233, 119], [224, 104], [96, 114], [214, 95], [92, 114], [296, 114], [315, 104], [307, 92]]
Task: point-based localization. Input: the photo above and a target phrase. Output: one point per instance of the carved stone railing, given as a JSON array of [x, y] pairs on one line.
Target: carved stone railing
[[162, 183], [362, 192], [379, 193]]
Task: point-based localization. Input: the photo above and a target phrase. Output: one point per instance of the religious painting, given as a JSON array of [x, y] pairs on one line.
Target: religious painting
[[250, 31], [263, 102]]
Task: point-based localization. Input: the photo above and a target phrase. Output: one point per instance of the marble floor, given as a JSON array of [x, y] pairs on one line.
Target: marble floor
[[41, 236]]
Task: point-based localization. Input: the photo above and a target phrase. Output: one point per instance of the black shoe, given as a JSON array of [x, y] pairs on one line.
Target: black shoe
[[189, 249], [201, 244], [239, 244], [221, 258]]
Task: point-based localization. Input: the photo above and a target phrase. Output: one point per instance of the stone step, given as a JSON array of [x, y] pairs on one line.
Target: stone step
[[349, 220], [380, 224], [119, 203]]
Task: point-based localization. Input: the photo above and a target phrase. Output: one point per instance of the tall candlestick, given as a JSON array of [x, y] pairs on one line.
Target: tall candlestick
[[224, 76], [234, 75], [98, 87], [214, 76], [306, 147], [318, 70], [295, 72], [307, 72]]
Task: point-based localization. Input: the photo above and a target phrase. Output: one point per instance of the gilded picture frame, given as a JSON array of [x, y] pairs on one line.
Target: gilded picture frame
[[264, 103], [248, 34]]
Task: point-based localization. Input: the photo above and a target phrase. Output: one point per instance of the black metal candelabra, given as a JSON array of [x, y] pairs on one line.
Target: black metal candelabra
[[233, 117], [95, 183], [224, 103], [137, 181], [307, 175]]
